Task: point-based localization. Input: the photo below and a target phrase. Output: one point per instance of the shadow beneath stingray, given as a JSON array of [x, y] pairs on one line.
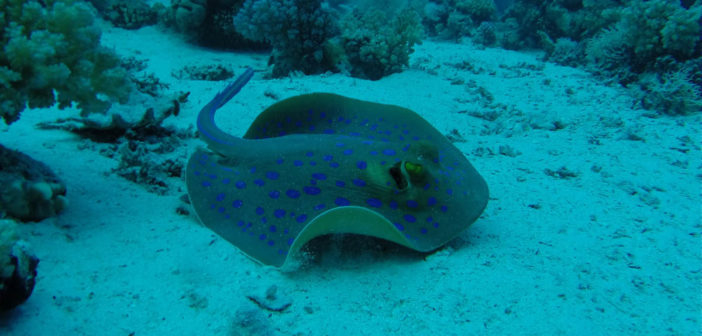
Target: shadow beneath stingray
[[357, 252]]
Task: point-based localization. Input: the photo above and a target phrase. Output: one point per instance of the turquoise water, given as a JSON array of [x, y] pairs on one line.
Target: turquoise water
[[582, 118]]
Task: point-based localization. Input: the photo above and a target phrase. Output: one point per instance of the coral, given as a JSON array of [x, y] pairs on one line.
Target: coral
[[129, 14], [148, 106], [218, 30], [209, 72], [609, 50], [122, 121], [18, 267], [522, 21], [554, 19], [649, 46], [188, 15], [434, 17], [672, 93], [206, 22], [566, 52], [305, 35], [8, 238], [149, 165], [146, 149], [658, 28], [296, 29], [485, 34], [646, 43], [647, 31], [31, 191], [375, 46], [478, 10], [458, 24], [51, 53], [148, 152], [453, 19]]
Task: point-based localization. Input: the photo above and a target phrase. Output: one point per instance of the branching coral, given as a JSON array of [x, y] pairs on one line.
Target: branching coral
[[650, 45], [51, 53], [298, 31], [670, 92], [647, 30], [375, 46], [609, 50], [129, 14], [554, 19], [454, 19], [305, 36]]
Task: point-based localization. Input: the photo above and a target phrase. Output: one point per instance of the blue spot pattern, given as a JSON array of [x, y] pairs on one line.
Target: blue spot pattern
[[350, 149]]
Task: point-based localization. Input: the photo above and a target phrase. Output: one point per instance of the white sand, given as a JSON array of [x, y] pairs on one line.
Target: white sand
[[615, 250]]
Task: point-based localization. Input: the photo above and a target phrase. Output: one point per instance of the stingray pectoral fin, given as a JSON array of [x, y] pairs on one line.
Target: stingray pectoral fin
[[350, 219]]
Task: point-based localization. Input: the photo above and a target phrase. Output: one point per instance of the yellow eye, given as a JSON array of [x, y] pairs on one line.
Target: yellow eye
[[414, 169]]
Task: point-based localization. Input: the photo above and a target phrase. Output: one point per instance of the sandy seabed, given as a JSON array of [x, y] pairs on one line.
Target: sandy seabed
[[593, 225]]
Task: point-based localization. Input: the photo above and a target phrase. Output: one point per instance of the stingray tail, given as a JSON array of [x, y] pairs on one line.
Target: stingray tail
[[232, 89], [215, 137]]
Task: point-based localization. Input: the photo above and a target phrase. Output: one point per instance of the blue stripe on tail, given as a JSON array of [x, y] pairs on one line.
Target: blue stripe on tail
[[232, 89], [205, 119]]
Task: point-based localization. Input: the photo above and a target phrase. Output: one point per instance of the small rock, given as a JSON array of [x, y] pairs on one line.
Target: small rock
[[562, 173], [454, 136], [209, 72], [18, 267], [507, 150], [31, 191]]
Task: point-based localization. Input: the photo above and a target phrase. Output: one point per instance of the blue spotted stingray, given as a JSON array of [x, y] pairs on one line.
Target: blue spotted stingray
[[320, 164]]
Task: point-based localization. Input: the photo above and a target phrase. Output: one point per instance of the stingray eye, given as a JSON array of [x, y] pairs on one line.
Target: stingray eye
[[414, 169], [398, 176], [406, 173]]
